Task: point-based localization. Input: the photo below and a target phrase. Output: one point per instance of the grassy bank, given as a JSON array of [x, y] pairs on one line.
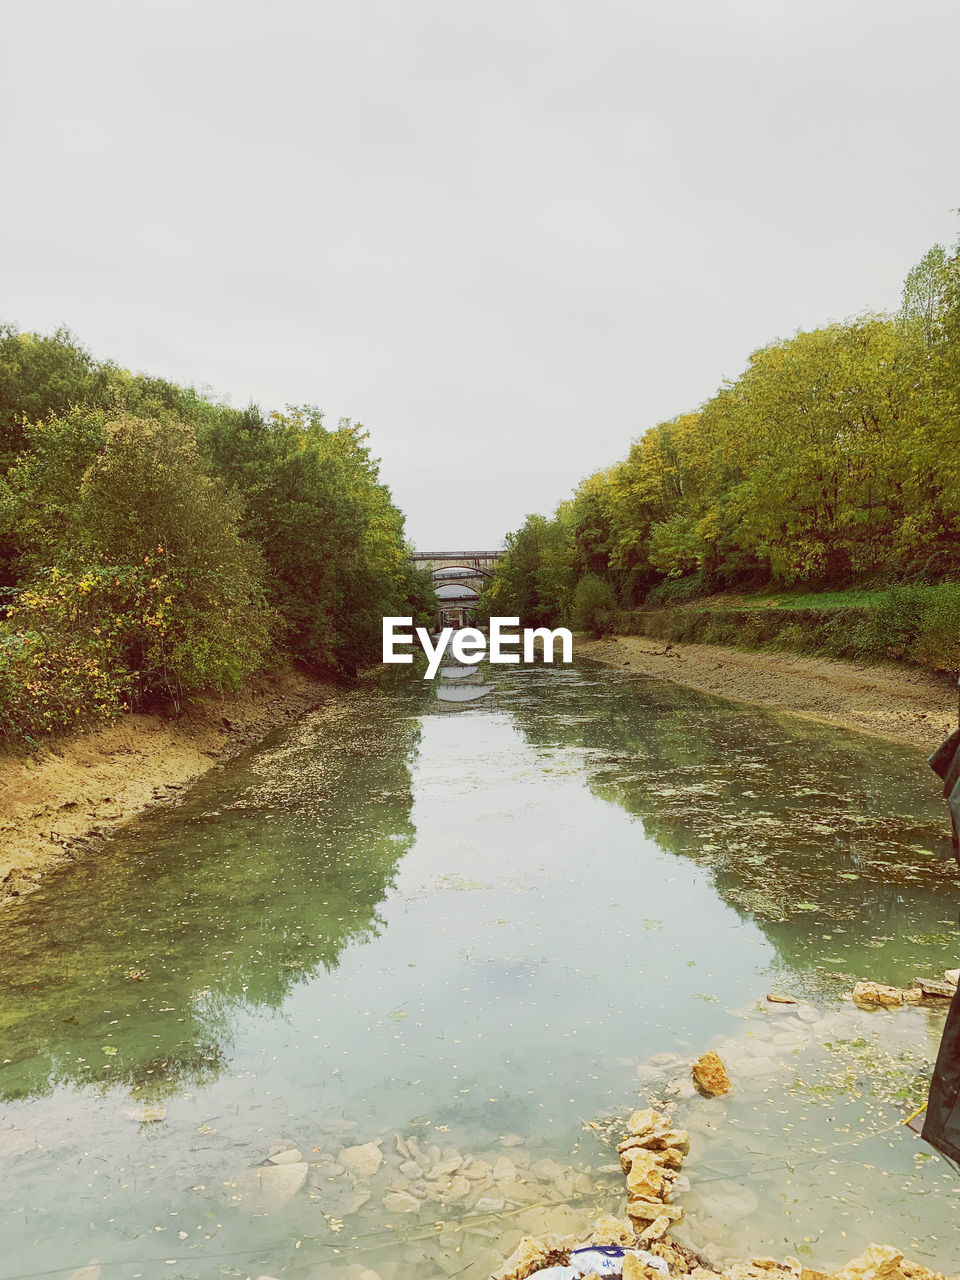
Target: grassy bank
[[919, 625]]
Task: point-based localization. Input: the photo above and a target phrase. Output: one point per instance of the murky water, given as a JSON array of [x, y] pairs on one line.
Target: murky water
[[481, 924]]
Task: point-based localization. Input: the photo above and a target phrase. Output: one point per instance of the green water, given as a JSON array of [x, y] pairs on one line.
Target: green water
[[482, 924]]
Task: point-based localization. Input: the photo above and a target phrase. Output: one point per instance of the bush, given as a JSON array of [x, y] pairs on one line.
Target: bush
[[49, 684], [151, 594], [594, 607], [676, 590], [938, 645]]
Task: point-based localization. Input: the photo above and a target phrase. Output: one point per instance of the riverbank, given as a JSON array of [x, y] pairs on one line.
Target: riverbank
[[56, 802], [901, 703]]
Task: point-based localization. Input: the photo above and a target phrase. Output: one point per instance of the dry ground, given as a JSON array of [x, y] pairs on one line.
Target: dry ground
[[87, 785], [903, 703]]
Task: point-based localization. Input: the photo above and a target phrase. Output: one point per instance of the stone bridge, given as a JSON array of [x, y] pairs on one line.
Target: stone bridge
[[458, 577]]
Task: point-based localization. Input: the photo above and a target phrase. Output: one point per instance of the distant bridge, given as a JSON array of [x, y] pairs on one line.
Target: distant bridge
[[458, 577]]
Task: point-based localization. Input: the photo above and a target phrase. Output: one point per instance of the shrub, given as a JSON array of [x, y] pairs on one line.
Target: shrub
[[938, 645], [51, 683], [594, 605]]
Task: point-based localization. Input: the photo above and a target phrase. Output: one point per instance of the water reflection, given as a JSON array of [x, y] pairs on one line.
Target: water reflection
[[470, 925], [834, 843], [132, 965]]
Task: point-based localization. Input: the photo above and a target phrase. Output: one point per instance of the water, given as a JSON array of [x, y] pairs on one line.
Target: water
[[475, 923]]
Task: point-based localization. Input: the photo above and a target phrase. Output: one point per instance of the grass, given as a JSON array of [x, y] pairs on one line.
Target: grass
[[919, 625]]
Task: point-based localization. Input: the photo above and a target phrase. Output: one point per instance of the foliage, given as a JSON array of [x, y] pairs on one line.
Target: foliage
[[155, 543], [594, 605], [831, 461], [330, 534]]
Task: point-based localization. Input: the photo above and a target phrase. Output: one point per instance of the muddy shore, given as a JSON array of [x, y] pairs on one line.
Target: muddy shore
[[56, 801], [896, 702]]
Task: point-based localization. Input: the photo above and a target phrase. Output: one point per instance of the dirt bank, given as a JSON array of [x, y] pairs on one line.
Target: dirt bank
[[902, 703], [54, 802]]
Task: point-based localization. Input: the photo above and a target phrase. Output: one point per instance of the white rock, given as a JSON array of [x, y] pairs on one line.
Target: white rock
[[281, 1181], [400, 1202], [363, 1161], [289, 1155], [355, 1201]]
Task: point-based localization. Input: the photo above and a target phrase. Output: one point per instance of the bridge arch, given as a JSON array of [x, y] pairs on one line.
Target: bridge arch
[[458, 577]]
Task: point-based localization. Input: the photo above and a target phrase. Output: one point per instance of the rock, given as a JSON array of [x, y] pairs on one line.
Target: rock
[[504, 1168], [932, 989], [648, 1210], [610, 1230], [877, 995], [710, 1075], [530, 1255], [952, 975], [454, 1189], [662, 1139], [634, 1149], [92, 1272], [285, 1144], [489, 1204], [643, 1121], [633, 1268], [355, 1201], [645, 1178], [281, 1181], [681, 1088], [517, 1191], [362, 1161], [658, 1228], [877, 1262], [289, 1155], [401, 1202], [511, 1140], [773, 998]]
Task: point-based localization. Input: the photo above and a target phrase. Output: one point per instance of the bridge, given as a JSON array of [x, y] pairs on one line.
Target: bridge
[[458, 577]]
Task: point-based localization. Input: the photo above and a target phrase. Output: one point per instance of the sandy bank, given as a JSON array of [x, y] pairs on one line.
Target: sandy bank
[[54, 802], [896, 702]]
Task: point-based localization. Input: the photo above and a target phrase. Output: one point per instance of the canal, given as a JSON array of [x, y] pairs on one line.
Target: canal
[[419, 949]]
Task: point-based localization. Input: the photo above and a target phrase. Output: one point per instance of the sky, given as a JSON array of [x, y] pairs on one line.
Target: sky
[[506, 236]]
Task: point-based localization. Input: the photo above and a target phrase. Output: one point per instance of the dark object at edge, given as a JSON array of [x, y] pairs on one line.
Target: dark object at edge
[[941, 1126]]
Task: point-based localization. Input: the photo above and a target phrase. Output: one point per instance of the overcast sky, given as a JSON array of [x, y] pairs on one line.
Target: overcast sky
[[507, 236]]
